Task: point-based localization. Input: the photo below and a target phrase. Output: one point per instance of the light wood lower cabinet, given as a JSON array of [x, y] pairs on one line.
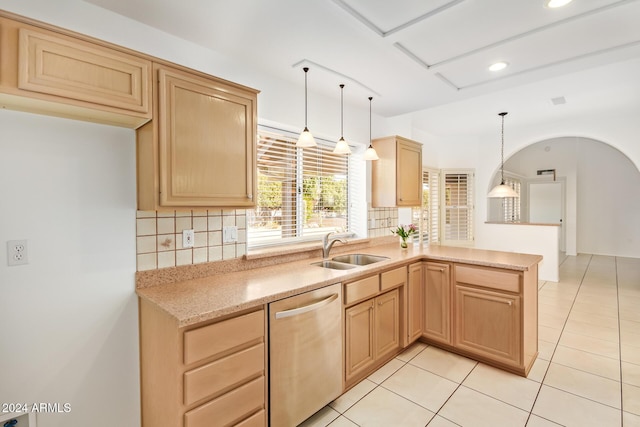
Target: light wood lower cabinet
[[437, 302], [372, 333], [45, 71], [488, 324], [207, 375]]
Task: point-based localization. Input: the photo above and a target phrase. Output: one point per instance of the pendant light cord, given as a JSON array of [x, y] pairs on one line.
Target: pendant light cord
[[305, 69], [370, 99], [502, 150], [341, 111]]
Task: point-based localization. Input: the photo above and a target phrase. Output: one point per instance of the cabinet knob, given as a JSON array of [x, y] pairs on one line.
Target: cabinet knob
[[250, 196], [509, 302]]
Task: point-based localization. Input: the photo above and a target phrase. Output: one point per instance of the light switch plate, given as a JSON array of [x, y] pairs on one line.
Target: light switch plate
[[188, 237]]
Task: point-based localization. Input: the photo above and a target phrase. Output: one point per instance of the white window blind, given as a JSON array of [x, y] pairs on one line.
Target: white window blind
[[302, 193], [430, 209], [511, 205], [457, 222]]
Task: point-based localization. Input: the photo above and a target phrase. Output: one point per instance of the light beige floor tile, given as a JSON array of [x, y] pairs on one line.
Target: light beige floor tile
[[594, 319], [631, 374], [556, 311], [630, 353], [595, 308], [438, 421], [548, 334], [470, 408], [509, 388], [386, 371], [440, 362], [384, 408], [538, 370], [631, 398], [596, 331], [630, 420], [630, 313], [536, 421], [552, 320], [428, 390], [555, 302], [590, 386], [590, 344], [557, 294], [588, 362], [342, 422], [545, 349], [347, 400], [629, 326], [411, 352], [630, 338], [322, 418], [574, 411], [607, 299]]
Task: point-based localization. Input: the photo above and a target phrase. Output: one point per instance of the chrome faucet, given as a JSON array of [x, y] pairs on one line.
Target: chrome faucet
[[327, 243]]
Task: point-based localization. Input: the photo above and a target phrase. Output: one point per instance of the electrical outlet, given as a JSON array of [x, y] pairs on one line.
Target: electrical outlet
[[229, 234], [17, 253], [188, 238]]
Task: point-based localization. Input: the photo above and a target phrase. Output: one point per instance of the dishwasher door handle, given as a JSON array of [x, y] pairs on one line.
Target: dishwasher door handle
[[306, 308]]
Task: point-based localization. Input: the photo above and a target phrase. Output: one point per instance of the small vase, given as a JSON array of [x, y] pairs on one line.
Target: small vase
[[403, 242]]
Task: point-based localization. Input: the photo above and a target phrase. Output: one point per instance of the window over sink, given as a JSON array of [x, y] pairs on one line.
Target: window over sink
[[302, 193]]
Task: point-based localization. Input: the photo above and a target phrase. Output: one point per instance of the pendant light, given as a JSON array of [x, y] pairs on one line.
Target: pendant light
[[502, 190], [342, 147], [305, 139], [370, 153]]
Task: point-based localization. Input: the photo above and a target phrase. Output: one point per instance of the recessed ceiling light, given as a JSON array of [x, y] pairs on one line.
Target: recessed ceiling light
[[557, 3], [498, 66]]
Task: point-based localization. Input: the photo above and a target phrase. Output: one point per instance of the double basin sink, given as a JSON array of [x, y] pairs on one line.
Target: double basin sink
[[345, 262]]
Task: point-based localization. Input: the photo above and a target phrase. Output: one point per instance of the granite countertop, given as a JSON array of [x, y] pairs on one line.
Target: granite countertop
[[196, 300]]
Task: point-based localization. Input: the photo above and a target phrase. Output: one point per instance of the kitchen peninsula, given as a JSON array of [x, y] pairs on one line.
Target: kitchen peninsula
[[204, 340]]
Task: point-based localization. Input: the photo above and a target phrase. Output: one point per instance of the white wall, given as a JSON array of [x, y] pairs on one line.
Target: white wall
[[69, 330]]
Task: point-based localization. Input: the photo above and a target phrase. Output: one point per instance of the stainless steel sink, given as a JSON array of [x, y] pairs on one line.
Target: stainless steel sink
[[334, 265], [359, 259]]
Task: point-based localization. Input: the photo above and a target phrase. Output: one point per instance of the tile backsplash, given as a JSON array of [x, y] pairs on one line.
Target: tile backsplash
[[381, 220], [159, 237]]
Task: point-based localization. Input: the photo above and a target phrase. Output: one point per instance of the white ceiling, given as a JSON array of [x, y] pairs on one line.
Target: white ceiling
[[412, 55]]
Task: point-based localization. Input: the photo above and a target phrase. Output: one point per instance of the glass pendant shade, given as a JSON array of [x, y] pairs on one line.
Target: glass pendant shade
[[306, 138], [342, 147], [502, 190], [370, 153]]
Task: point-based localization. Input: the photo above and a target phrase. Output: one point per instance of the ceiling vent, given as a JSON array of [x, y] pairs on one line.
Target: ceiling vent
[[559, 100]]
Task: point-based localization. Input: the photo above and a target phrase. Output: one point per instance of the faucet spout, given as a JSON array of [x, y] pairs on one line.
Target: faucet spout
[[328, 243]]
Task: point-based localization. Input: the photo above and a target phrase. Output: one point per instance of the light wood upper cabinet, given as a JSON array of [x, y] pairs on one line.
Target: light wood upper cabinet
[[437, 302], [200, 150], [45, 71], [396, 179]]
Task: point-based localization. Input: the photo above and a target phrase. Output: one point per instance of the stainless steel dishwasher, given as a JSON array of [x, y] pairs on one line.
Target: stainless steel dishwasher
[[305, 354]]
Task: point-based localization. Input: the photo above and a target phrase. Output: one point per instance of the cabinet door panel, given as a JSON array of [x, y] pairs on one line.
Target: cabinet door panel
[[78, 70], [359, 338], [488, 323], [437, 302], [207, 141], [409, 168], [387, 323], [415, 289]]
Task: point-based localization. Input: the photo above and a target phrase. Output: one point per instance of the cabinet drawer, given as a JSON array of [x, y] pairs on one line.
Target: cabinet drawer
[[393, 278], [488, 278], [222, 336], [214, 377], [361, 289], [256, 420], [229, 407]]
